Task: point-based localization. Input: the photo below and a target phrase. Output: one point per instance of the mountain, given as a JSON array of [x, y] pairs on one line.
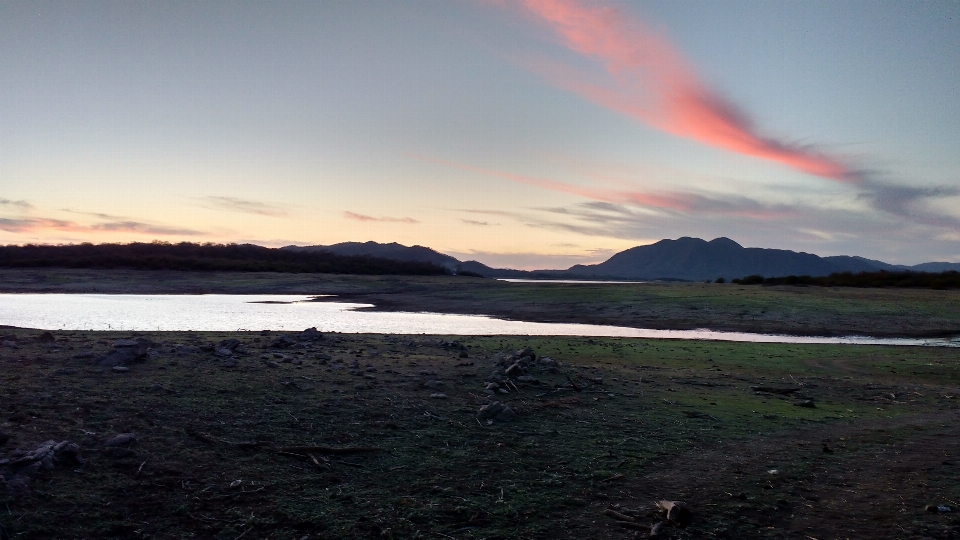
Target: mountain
[[400, 252], [695, 259], [393, 250], [685, 258]]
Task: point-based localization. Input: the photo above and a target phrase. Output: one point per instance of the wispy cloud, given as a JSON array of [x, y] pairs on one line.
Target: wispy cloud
[[671, 201], [910, 202], [19, 204], [478, 223], [649, 80], [245, 206], [30, 225], [363, 217]]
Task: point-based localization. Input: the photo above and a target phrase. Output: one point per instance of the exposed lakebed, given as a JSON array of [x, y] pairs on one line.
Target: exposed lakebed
[[216, 312]]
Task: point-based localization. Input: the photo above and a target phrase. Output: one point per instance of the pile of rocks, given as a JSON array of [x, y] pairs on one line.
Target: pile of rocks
[[16, 470], [509, 369]]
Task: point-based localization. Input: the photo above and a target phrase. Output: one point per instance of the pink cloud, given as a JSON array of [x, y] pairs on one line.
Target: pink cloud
[[653, 83], [362, 217], [28, 225]]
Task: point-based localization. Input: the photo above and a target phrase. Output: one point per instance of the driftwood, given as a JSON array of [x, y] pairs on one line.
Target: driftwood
[[618, 516]]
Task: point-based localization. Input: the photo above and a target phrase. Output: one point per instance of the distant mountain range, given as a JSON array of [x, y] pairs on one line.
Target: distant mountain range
[[691, 259]]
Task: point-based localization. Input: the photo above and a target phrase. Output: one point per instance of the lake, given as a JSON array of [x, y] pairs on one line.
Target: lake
[[221, 312]]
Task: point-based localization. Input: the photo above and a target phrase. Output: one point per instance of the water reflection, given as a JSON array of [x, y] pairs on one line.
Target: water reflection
[[218, 312]]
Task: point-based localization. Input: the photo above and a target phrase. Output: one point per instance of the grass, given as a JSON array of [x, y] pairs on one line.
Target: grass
[[677, 419]]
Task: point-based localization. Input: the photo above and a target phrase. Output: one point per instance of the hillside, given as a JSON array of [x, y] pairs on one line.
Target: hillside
[[206, 257], [696, 260]]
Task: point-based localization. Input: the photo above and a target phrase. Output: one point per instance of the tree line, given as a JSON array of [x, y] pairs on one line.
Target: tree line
[[206, 257], [906, 279]]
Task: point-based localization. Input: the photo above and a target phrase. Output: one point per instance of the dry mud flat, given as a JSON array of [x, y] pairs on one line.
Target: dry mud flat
[[289, 435]]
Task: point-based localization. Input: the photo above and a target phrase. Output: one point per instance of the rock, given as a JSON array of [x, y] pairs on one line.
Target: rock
[[120, 369], [310, 334], [272, 364], [181, 350], [9, 343], [46, 337], [230, 363], [123, 356], [282, 342], [546, 361], [498, 411], [84, 355], [438, 395], [222, 352], [492, 386], [806, 403], [121, 439], [323, 357], [297, 362], [528, 379], [433, 383], [463, 354], [228, 344], [515, 370], [675, 511]]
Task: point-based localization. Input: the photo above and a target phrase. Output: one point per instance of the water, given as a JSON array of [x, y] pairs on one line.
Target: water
[[220, 312]]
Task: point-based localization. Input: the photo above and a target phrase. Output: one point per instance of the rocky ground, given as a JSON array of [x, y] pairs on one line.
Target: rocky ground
[[310, 435]]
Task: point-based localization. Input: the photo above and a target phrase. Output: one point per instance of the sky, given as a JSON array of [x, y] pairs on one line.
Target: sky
[[520, 133]]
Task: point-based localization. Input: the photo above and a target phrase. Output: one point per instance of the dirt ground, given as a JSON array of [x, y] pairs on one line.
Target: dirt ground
[[289, 436]]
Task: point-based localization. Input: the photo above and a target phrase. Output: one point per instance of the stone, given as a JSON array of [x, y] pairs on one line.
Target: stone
[[46, 337], [498, 411], [121, 439], [228, 344], [515, 370], [122, 356], [438, 395], [546, 361], [120, 369], [222, 351], [282, 342], [310, 334]]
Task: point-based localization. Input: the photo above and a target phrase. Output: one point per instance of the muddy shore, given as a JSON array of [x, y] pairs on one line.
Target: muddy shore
[[668, 306]]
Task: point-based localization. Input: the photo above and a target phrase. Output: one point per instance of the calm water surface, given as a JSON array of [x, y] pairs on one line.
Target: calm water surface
[[221, 312]]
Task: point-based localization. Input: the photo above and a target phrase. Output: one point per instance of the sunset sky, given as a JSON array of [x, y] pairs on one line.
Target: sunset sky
[[529, 134]]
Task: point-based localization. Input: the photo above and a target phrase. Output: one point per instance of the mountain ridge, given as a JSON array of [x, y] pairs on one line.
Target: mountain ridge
[[686, 258]]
